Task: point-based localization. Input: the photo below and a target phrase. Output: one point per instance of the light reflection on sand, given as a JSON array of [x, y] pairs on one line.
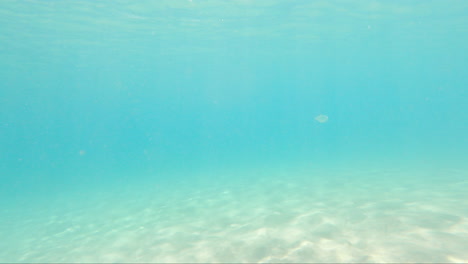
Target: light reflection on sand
[[361, 219]]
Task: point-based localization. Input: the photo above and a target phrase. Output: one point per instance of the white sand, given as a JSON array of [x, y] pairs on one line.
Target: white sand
[[355, 216]]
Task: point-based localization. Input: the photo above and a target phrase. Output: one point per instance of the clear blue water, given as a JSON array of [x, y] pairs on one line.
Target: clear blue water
[[102, 100]]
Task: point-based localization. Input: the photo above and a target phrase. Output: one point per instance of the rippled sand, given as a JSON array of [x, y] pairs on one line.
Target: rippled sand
[[306, 216]]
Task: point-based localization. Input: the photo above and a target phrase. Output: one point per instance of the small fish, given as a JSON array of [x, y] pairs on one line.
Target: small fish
[[321, 118]]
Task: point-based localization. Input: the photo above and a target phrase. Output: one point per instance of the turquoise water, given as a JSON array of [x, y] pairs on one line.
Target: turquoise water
[[190, 131]]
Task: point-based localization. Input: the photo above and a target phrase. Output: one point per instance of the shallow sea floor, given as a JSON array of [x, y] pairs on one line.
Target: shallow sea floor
[[380, 215]]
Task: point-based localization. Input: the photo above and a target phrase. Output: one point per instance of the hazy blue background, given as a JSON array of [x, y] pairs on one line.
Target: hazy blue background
[[101, 92]]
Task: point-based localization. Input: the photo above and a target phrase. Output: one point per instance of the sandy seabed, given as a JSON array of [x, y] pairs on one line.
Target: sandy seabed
[[340, 216]]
